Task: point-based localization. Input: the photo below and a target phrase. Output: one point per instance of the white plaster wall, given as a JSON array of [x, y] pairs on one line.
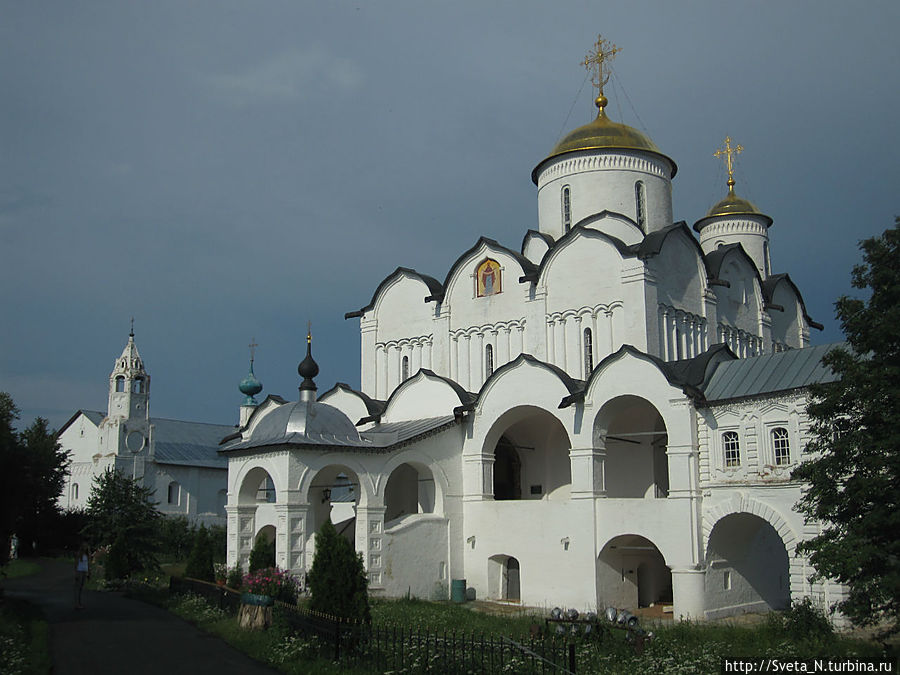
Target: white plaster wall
[[467, 310], [415, 558], [740, 303], [604, 181], [420, 397], [348, 403], [535, 248], [787, 325]]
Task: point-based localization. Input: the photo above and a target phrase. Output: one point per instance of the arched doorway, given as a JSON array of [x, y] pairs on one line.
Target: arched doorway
[[632, 573], [747, 567], [531, 456], [504, 578], [633, 433]]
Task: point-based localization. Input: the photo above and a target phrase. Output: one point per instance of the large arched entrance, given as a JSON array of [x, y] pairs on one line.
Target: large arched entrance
[[531, 456], [747, 567], [634, 436], [632, 573]]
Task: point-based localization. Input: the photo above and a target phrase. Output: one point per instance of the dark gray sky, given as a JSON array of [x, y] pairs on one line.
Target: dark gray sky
[[228, 170]]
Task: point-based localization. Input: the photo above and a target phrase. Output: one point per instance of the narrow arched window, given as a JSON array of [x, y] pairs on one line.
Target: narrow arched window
[[74, 490], [120, 383], [766, 257], [488, 360], [640, 204], [781, 446], [138, 387], [404, 368], [174, 493], [731, 448], [588, 353], [566, 208]]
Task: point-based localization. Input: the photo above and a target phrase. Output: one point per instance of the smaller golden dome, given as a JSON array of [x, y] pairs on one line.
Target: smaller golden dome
[[733, 205]]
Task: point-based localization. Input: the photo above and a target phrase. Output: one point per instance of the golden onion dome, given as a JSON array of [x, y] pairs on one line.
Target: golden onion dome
[[732, 205], [603, 134]]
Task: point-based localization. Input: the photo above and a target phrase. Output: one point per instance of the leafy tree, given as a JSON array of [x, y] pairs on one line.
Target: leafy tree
[[119, 507], [337, 580], [262, 555], [176, 537], [853, 469], [200, 563], [32, 476]]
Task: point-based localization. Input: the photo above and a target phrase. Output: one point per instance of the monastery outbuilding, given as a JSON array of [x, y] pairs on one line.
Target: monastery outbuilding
[[607, 415], [178, 460]]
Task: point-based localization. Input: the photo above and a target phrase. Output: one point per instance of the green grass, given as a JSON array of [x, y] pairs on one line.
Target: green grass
[[20, 568], [24, 639], [684, 647]]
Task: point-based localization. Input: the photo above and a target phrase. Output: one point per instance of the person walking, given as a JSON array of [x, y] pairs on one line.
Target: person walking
[[82, 572]]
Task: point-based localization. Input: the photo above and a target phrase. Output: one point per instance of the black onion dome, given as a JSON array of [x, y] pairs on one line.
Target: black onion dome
[[308, 367]]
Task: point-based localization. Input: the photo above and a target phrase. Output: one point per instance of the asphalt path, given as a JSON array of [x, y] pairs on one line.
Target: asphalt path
[[114, 634]]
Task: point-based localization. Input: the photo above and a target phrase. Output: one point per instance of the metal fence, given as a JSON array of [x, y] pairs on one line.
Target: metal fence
[[394, 648]]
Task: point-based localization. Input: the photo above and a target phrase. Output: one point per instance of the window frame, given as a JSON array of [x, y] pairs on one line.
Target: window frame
[[731, 449], [566, 196], [780, 443]]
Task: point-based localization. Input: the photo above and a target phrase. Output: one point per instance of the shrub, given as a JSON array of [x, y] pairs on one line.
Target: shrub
[[273, 582], [337, 580], [805, 620], [263, 554], [116, 564], [234, 577], [200, 564]]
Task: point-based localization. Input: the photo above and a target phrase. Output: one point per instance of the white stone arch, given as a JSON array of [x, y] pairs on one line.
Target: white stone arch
[[633, 570], [632, 433], [542, 461], [745, 504], [245, 481], [308, 477], [416, 459], [630, 372]]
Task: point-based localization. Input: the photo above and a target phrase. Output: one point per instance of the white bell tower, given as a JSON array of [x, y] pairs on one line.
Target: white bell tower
[[126, 429]]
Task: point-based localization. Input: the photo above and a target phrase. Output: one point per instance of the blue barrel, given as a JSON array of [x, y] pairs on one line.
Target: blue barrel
[[458, 590]]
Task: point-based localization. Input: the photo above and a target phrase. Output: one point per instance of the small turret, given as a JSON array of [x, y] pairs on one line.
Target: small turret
[[734, 220]]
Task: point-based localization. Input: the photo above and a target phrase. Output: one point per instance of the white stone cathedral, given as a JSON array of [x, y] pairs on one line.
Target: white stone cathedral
[[608, 415]]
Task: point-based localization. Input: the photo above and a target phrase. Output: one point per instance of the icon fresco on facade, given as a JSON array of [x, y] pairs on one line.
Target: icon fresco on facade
[[487, 278]]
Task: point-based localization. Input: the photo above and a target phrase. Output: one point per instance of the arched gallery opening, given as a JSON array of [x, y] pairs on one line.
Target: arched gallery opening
[[531, 456], [747, 567], [257, 488], [333, 495], [410, 489], [504, 578], [632, 573], [634, 436]]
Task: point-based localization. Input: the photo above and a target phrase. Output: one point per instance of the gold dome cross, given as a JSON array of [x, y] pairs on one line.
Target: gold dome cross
[[601, 56], [728, 153]]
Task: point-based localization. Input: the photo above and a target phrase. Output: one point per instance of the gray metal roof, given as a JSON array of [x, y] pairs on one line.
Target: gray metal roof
[[189, 443], [379, 438], [793, 369], [94, 416]]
